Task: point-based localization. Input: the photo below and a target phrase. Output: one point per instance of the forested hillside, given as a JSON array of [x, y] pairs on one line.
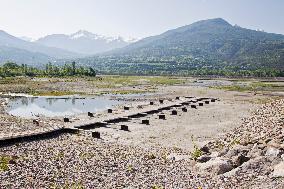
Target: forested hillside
[[212, 46]]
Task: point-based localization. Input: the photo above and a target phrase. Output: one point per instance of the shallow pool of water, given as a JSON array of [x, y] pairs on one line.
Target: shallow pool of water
[[29, 107]]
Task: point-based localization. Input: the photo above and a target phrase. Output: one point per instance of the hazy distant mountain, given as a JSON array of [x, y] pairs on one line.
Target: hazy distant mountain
[[22, 51], [26, 39], [83, 42], [214, 40], [21, 56]]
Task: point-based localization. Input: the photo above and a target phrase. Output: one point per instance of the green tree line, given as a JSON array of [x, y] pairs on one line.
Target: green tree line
[[10, 69]]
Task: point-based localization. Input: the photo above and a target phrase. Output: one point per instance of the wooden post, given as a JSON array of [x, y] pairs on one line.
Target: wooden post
[[126, 108], [66, 120], [145, 121], [90, 114], [96, 135], [124, 128], [162, 116]]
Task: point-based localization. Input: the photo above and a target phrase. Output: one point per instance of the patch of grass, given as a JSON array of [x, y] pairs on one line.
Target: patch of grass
[[105, 86], [130, 168], [254, 86], [114, 81], [59, 156], [4, 163], [234, 142], [238, 88], [52, 93], [196, 153], [13, 80], [219, 145], [85, 155], [124, 92], [150, 156], [122, 81], [164, 81]]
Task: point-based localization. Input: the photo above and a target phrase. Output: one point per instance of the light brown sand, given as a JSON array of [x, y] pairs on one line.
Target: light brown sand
[[204, 123]]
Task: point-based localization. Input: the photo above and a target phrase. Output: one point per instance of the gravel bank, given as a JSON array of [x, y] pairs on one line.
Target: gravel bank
[[74, 160]]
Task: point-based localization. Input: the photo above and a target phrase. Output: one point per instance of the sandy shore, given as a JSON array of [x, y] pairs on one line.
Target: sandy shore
[[204, 123]]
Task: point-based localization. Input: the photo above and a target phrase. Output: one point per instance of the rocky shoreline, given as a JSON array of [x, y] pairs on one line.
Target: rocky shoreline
[[249, 156], [13, 124]]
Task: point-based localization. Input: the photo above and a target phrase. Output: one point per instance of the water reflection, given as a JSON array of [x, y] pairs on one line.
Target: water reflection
[[51, 107]]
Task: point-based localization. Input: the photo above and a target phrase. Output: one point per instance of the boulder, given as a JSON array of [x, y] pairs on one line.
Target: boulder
[[232, 173], [236, 150], [272, 152], [239, 160], [279, 170], [254, 163], [215, 166], [255, 152], [231, 153]]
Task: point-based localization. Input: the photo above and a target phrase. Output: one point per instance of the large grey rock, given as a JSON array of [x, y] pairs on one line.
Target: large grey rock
[[232, 173], [279, 170], [239, 160], [255, 152], [255, 164], [272, 152], [215, 166], [236, 150], [231, 153]]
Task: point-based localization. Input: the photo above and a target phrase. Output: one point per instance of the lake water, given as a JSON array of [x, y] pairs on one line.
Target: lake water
[[29, 107]]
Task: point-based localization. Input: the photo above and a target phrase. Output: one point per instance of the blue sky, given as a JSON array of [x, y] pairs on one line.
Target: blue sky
[[133, 18]]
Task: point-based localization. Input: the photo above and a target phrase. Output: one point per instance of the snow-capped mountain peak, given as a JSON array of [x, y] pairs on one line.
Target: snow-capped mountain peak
[[92, 36], [84, 42], [84, 34], [29, 39]]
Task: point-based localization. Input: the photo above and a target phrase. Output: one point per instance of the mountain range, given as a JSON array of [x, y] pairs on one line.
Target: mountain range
[[212, 43], [16, 49], [83, 42], [214, 40], [55, 47]]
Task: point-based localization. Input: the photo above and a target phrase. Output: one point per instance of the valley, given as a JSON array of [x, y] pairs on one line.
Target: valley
[[123, 94], [176, 141]]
